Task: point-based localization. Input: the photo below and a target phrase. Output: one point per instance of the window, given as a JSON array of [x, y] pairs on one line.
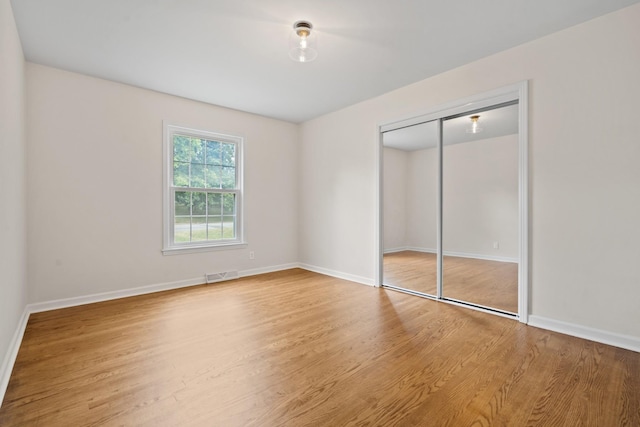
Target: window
[[203, 190]]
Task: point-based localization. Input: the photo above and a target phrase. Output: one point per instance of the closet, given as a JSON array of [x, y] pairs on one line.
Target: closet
[[453, 203]]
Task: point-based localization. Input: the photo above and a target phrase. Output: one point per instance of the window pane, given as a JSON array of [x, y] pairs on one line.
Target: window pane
[[199, 204], [197, 176], [181, 148], [229, 203], [198, 228], [197, 151], [228, 177], [229, 227], [214, 203], [183, 203], [213, 176], [181, 174], [228, 154], [182, 229], [214, 226], [213, 153]]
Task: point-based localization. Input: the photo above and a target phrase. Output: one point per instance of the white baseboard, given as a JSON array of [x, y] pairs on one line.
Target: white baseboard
[[410, 248], [394, 250], [106, 296], [12, 353], [256, 271], [340, 275], [419, 249], [481, 256], [610, 338], [456, 254]]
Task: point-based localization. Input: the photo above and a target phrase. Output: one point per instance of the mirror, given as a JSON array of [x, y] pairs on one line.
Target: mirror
[[480, 208], [410, 191]]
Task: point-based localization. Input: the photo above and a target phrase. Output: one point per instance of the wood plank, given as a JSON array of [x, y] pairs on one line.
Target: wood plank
[[297, 348]]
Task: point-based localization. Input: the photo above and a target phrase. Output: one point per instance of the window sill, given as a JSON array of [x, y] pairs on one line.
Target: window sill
[[196, 249]]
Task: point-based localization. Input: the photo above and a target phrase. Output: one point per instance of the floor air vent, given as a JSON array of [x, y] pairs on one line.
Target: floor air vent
[[219, 277]]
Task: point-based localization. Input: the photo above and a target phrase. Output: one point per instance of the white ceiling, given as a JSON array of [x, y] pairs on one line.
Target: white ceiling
[[494, 123], [234, 53]]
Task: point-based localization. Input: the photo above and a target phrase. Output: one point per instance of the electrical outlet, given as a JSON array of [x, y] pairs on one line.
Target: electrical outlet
[[252, 255], [496, 245]]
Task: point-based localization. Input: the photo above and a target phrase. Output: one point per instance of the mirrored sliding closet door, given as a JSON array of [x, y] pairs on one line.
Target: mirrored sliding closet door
[[410, 210], [480, 205], [453, 204]]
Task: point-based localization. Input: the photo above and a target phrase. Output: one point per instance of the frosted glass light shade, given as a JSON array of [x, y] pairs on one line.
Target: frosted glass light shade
[[474, 127], [303, 43]]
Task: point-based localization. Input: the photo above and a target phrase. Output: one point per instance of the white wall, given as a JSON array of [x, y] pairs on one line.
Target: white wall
[[337, 195], [480, 198], [422, 189], [584, 174], [95, 186], [395, 172], [13, 273]]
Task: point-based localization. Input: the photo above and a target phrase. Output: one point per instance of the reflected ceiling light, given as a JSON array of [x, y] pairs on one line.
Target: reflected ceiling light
[[302, 44], [474, 128]]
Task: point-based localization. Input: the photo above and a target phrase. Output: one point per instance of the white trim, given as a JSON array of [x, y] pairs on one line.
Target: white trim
[[400, 249], [195, 249], [523, 197], [455, 254], [610, 338], [12, 353], [440, 211], [458, 106], [338, 274], [142, 290], [107, 296], [378, 231], [480, 256], [264, 270], [196, 281], [425, 250]]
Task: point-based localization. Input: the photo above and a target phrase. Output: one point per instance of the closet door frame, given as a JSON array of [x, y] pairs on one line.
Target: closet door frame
[[517, 92]]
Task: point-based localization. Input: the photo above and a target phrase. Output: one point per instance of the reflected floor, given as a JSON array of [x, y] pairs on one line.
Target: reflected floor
[[488, 283]]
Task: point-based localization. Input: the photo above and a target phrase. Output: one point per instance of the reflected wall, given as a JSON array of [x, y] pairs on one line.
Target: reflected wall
[[410, 189]]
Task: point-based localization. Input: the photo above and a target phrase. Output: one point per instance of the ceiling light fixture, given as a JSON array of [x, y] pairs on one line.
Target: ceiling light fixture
[[302, 44], [474, 128]]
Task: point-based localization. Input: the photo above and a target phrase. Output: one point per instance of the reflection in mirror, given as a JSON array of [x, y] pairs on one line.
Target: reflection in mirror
[[480, 209], [410, 191]]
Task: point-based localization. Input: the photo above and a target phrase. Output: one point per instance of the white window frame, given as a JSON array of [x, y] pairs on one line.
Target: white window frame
[[169, 246]]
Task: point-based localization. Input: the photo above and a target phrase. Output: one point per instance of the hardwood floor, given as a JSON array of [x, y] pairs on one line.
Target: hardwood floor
[[296, 348], [489, 283]]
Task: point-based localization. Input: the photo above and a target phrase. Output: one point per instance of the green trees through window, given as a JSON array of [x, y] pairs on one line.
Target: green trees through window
[[199, 163], [205, 189]]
